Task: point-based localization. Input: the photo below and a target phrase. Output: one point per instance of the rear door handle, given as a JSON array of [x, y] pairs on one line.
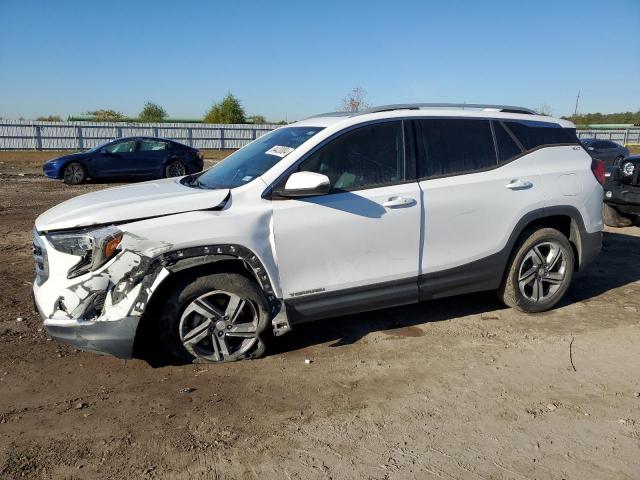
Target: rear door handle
[[518, 184], [399, 202]]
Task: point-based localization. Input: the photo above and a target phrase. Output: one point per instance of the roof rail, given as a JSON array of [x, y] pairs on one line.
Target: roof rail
[[333, 114], [418, 106]]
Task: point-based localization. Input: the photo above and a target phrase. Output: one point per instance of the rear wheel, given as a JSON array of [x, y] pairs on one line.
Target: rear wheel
[[175, 169], [539, 272], [614, 218], [215, 318], [74, 174]]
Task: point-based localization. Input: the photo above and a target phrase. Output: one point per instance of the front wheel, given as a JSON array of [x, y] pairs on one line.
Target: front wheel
[[74, 174], [540, 271], [215, 318], [614, 218]]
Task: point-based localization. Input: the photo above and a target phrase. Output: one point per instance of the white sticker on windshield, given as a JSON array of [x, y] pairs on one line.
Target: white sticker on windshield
[[279, 151]]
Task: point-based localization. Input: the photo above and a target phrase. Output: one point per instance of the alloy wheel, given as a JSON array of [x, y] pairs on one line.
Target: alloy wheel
[[73, 174], [542, 271], [219, 326], [176, 169]]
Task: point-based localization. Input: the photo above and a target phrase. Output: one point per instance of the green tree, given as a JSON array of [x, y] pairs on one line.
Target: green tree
[[50, 118], [106, 116], [229, 110], [257, 120], [595, 118], [152, 113]]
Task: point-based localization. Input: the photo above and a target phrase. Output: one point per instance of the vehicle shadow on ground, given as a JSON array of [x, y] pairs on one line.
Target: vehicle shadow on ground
[[399, 321], [616, 266]]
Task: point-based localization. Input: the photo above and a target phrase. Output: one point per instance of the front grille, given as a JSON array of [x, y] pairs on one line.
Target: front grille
[[635, 179], [41, 259]]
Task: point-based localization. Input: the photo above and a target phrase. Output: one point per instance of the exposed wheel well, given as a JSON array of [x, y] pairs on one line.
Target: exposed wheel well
[[145, 327]]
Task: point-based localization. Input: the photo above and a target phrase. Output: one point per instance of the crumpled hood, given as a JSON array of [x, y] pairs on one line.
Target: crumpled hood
[[128, 203]]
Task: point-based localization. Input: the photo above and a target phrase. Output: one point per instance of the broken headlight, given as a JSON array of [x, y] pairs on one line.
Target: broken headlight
[[94, 247]]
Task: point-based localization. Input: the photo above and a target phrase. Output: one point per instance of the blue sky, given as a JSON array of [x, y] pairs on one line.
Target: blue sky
[[287, 59]]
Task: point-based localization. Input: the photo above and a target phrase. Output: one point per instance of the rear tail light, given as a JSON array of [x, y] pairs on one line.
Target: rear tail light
[[597, 167]]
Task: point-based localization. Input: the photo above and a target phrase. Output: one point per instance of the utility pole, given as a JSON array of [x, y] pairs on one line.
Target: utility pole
[[575, 111]]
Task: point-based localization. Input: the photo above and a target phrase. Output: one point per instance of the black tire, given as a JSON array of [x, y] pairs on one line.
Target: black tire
[[74, 173], [523, 261], [175, 169], [171, 322], [614, 218]]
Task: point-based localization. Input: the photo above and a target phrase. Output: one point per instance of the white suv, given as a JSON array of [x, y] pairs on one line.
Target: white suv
[[332, 215]]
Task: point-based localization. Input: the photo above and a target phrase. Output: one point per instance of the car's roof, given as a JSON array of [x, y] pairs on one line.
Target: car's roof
[[347, 118], [158, 139]]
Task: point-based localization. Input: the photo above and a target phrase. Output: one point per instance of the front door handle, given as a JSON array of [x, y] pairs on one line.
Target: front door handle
[[399, 202], [518, 184]]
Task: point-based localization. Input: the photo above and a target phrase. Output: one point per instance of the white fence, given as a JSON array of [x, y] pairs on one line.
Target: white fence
[[33, 135], [621, 136]]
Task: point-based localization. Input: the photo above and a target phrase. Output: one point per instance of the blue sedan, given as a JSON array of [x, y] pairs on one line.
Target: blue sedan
[[127, 158]]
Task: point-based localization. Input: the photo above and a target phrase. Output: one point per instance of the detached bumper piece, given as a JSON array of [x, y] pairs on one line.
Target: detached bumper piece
[[112, 337]]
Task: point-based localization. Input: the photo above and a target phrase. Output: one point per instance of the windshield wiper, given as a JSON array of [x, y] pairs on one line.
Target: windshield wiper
[[192, 180]]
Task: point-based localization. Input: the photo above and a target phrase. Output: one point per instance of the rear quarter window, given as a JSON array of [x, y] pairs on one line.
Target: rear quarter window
[[507, 146], [539, 134]]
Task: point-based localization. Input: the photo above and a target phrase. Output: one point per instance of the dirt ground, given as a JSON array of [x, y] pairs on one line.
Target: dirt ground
[[457, 388]]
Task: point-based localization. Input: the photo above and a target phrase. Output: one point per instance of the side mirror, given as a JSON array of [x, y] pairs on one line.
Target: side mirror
[[306, 184]]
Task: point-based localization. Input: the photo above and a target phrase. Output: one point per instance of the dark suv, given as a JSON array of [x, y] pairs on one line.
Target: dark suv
[[622, 193]]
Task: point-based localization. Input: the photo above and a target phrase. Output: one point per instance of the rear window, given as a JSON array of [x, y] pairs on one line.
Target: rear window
[[454, 146], [533, 134]]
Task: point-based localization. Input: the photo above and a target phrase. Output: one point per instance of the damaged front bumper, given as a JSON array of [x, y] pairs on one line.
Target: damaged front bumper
[[99, 311], [113, 337]]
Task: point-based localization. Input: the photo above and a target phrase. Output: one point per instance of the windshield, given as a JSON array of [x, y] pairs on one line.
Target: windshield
[[99, 146], [255, 159]]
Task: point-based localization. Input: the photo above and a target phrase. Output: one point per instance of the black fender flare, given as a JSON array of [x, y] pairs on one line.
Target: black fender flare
[[578, 235]]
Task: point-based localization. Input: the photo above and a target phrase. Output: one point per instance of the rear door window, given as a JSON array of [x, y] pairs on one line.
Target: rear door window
[[153, 146], [454, 146]]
